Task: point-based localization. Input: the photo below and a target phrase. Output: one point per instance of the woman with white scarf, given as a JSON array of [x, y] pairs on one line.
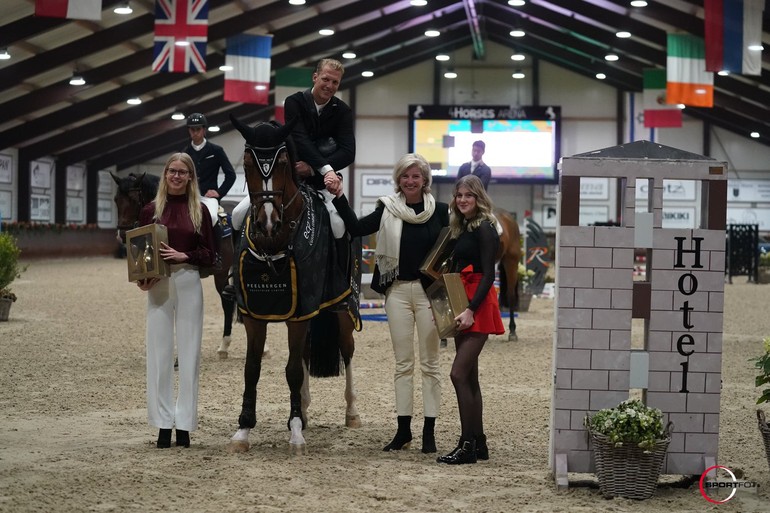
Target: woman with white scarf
[[407, 225]]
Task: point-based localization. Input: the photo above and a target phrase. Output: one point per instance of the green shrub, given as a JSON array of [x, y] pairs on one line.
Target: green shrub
[[9, 264]]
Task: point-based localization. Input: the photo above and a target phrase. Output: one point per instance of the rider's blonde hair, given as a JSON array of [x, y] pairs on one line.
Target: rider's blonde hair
[[193, 193], [457, 221]]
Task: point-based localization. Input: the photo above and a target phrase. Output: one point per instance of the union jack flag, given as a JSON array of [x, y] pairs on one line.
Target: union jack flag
[[181, 31]]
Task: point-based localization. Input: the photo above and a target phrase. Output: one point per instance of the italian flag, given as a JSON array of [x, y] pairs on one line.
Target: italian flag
[[287, 82], [687, 80], [658, 113]]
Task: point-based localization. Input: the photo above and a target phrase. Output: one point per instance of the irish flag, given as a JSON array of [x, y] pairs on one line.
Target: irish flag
[[287, 82], [658, 113], [249, 80], [687, 80], [732, 26], [72, 9]]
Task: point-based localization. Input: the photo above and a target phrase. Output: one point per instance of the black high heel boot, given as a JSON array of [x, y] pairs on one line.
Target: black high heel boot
[[482, 451], [182, 438], [428, 439], [464, 453], [164, 439], [403, 438]]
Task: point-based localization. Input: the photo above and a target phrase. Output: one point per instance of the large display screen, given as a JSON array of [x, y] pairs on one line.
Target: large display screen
[[522, 143]]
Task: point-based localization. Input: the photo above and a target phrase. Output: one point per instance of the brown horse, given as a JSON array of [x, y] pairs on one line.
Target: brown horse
[[281, 261], [134, 192], [509, 256]]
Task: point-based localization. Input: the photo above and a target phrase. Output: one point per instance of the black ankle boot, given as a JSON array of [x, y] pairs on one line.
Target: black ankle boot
[[403, 438], [464, 453], [164, 439], [482, 451], [182, 438], [428, 439]]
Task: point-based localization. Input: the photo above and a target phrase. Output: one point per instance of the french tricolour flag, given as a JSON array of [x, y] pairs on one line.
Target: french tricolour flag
[[72, 9], [731, 27], [249, 79]]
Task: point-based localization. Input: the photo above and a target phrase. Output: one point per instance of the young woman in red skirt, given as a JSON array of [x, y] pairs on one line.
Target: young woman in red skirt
[[476, 231]]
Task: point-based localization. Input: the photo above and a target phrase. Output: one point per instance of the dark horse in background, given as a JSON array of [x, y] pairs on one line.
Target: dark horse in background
[[509, 256], [134, 192], [285, 274]]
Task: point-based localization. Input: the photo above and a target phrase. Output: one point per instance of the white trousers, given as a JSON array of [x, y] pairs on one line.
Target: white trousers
[[338, 225], [407, 306], [174, 311]]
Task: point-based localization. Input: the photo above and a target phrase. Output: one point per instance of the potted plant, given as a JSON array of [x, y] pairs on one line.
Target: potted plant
[[525, 291], [9, 271], [762, 363], [629, 444]]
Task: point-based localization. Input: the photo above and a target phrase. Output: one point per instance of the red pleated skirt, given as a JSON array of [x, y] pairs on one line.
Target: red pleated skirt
[[486, 318]]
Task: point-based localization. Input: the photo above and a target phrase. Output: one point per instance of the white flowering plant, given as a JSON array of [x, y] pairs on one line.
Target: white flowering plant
[[630, 422], [525, 276], [762, 363]]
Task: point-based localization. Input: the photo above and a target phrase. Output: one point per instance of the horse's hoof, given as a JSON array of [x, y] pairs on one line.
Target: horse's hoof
[[513, 337], [353, 421], [238, 447], [297, 449]]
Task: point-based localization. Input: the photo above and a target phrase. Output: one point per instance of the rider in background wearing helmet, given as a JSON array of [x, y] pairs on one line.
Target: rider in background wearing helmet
[[208, 158]]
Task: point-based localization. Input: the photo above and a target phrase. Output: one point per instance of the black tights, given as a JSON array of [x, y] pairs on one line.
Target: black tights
[[465, 378]]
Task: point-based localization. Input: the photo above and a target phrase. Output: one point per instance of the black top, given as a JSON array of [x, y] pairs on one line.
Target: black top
[[314, 130], [207, 163], [478, 248], [416, 239]]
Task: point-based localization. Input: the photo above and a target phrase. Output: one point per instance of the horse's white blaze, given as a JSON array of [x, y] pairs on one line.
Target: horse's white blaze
[[296, 438], [268, 207]]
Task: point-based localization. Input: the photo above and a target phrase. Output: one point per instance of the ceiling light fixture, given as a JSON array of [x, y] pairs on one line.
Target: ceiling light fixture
[[518, 57], [518, 74], [326, 32], [432, 33], [214, 128], [367, 74], [516, 3], [601, 76], [450, 74], [349, 55], [623, 34], [723, 73], [226, 67], [123, 8], [442, 57], [182, 43], [177, 116], [755, 135], [611, 57], [296, 2], [756, 47], [680, 106], [4, 55], [134, 101], [77, 80], [638, 3], [419, 3], [517, 32]]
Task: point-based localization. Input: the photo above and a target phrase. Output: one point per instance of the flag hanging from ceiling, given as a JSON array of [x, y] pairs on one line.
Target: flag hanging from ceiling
[[72, 9], [731, 26], [181, 31], [657, 113], [249, 79], [289, 81], [687, 80]]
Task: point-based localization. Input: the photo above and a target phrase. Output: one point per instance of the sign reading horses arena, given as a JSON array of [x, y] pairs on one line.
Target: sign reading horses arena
[[677, 367]]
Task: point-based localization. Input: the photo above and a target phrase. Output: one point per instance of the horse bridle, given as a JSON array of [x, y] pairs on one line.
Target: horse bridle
[[265, 159], [138, 190]]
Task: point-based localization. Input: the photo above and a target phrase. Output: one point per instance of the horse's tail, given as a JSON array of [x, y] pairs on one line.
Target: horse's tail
[[324, 335]]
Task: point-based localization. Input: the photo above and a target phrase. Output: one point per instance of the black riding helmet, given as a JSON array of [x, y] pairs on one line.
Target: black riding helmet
[[196, 119]]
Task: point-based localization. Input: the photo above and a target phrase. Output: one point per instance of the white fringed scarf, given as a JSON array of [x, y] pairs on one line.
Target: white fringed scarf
[[395, 213]]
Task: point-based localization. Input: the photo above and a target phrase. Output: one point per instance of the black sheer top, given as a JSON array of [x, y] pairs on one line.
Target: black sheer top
[[478, 248]]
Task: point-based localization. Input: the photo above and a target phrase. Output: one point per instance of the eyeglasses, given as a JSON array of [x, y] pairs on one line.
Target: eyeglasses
[[177, 172]]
